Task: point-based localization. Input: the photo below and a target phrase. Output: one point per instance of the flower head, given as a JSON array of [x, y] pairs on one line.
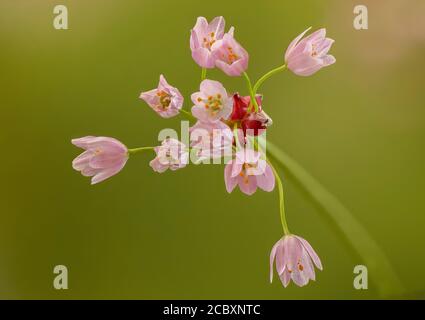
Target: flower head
[[230, 56], [306, 56], [171, 154], [294, 260], [164, 100], [203, 37], [211, 139], [103, 157], [212, 102], [249, 172]]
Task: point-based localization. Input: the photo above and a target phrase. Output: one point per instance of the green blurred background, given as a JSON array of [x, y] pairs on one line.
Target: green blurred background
[[358, 126]]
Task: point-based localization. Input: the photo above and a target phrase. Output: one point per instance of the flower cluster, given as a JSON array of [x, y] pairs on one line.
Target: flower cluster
[[226, 126]]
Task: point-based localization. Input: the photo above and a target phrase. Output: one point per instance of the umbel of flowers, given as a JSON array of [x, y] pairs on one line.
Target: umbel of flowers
[[239, 120]]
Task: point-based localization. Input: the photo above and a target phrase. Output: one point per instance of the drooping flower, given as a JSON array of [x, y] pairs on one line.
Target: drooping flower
[[252, 123], [306, 56], [294, 260], [103, 157], [202, 38], [248, 171], [211, 139], [171, 154], [212, 102], [165, 100], [230, 56]]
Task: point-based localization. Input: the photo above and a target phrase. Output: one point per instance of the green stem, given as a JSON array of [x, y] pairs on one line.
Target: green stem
[[187, 114], [203, 74], [281, 201], [350, 231], [235, 134], [251, 93], [136, 150], [266, 76]]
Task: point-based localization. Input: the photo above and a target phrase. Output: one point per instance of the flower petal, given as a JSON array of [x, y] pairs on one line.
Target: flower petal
[[82, 161], [311, 252], [247, 184], [272, 258], [293, 44], [203, 57], [107, 173], [285, 277], [230, 181], [217, 26], [266, 181]]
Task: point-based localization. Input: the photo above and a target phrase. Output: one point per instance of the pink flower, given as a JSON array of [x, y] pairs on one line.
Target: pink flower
[[164, 100], [249, 172], [171, 154], [230, 56], [103, 157], [212, 103], [203, 36], [307, 56], [294, 260], [211, 139]]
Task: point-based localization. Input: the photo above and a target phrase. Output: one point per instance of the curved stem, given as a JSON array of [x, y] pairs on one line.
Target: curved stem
[[136, 150], [266, 76], [251, 93], [281, 201], [352, 233]]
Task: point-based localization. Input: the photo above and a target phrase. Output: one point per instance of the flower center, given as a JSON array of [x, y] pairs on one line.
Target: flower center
[[231, 56], [314, 50], [212, 103], [164, 99], [245, 171], [209, 40]]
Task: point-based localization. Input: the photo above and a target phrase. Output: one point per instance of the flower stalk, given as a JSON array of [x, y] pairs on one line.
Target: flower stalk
[[137, 150], [187, 114], [203, 74], [281, 201], [251, 93], [267, 76]]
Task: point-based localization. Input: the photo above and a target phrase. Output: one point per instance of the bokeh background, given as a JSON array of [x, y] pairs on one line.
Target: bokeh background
[[358, 126]]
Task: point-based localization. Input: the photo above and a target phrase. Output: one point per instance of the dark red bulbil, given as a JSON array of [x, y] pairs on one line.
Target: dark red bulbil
[[251, 122]]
